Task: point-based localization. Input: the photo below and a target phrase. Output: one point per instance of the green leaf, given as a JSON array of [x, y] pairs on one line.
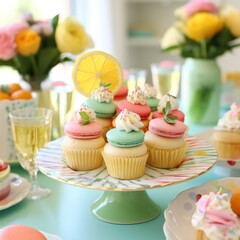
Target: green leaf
[[47, 58], [85, 118], [169, 120], [172, 117], [104, 85]]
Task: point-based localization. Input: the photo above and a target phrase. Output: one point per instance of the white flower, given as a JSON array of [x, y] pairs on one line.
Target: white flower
[[172, 37]]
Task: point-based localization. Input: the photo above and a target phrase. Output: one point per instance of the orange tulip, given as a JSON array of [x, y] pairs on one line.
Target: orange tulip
[[28, 42]]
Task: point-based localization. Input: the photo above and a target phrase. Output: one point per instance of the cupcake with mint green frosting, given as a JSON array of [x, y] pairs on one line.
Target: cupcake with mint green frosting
[[103, 106], [125, 154], [151, 95]]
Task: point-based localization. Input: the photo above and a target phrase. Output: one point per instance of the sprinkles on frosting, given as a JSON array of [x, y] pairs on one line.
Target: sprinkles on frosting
[[103, 94], [84, 115], [128, 121], [137, 97], [149, 91]]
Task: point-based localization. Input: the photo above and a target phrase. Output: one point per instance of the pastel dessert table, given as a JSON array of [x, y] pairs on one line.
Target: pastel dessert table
[[67, 211]]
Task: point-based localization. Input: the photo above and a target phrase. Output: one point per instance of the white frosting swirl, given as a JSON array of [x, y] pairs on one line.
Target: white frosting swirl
[[137, 97], [231, 119], [149, 91], [77, 117], [163, 101], [102, 94], [215, 217], [128, 121]]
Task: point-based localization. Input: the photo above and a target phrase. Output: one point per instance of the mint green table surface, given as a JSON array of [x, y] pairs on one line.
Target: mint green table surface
[[67, 212]]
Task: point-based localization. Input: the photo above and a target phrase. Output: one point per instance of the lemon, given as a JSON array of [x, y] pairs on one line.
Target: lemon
[[94, 67]]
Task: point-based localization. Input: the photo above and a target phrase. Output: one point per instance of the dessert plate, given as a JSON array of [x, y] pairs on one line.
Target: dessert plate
[[19, 190], [179, 213], [229, 163], [51, 236], [200, 157]]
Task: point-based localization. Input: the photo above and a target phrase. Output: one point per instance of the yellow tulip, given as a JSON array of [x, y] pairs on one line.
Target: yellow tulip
[[203, 25], [71, 36], [28, 42], [232, 20]]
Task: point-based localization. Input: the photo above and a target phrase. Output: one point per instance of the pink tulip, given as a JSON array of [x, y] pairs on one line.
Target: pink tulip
[[14, 29], [43, 27], [195, 6], [7, 44]]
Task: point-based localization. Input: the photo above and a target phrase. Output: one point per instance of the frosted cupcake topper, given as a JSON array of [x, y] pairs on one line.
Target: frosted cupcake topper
[[137, 97], [128, 121], [231, 119], [149, 91], [168, 98], [84, 115], [169, 118], [103, 94]]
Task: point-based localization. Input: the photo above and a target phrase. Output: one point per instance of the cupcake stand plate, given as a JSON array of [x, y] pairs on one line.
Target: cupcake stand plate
[[119, 202], [179, 213]]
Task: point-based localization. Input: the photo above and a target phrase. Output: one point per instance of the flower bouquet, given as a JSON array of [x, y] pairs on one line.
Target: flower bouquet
[[34, 47], [202, 32]]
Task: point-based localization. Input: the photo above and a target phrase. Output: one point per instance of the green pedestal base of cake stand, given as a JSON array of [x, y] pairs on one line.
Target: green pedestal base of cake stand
[[125, 207]]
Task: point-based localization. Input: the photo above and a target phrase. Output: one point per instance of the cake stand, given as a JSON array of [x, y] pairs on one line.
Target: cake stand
[[126, 201]]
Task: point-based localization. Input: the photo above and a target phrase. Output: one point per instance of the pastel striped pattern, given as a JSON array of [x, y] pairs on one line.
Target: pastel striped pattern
[[200, 157]]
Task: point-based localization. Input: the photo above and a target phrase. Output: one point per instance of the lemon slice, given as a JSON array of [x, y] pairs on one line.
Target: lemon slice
[[94, 67]]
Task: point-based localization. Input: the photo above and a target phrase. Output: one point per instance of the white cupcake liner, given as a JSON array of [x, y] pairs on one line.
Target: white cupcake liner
[[166, 158], [83, 160], [125, 167]]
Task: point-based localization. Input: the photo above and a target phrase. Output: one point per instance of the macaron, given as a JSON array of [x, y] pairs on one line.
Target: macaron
[[101, 109], [153, 103], [75, 130], [178, 113], [125, 139], [20, 232], [142, 110], [121, 94], [160, 127]]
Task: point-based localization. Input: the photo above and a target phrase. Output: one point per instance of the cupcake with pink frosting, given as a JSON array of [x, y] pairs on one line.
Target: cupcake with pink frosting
[[4, 179], [137, 103], [174, 108], [83, 143], [226, 135], [214, 218]]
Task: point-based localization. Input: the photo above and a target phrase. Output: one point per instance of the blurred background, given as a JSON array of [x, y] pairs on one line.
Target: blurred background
[[130, 30]]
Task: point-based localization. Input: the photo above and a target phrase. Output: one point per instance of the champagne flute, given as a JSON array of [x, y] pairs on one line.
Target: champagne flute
[[31, 131]]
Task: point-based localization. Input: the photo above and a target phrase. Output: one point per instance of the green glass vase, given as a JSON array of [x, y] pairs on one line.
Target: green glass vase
[[200, 90]]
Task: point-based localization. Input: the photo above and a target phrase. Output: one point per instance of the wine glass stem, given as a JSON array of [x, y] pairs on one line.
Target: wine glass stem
[[33, 180]]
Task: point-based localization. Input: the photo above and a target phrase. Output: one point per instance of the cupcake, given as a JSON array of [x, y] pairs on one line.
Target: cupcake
[[83, 143], [214, 218], [125, 154], [226, 135], [136, 102], [101, 103], [174, 108], [4, 179], [150, 93], [165, 141]]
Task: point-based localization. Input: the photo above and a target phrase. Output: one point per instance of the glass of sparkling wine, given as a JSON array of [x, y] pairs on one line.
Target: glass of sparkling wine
[[31, 131]]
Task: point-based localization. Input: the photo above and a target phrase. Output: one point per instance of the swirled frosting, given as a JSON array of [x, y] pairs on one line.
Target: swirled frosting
[[231, 119], [137, 97], [215, 217], [149, 91], [128, 121], [79, 119], [102, 94], [163, 101]]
